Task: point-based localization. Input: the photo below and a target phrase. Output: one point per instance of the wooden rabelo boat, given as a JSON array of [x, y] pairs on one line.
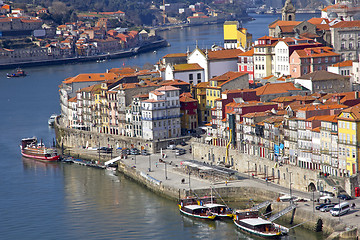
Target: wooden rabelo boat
[[249, 221], [190, 207], [220, 210]]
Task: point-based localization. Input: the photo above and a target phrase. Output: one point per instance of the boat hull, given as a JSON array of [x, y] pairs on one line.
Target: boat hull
[[209, 217], [258, 233], [41, 158]]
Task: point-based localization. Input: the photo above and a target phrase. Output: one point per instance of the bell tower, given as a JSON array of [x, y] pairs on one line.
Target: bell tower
[[288, 11]]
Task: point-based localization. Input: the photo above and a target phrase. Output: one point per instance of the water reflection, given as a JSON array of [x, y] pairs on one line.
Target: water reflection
[[39, 166]]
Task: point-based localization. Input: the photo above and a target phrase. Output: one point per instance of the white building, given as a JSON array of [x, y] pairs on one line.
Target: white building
[[281, 59], [160, 114], [344, 68], [284, 48], [189, 72], [215, 62]]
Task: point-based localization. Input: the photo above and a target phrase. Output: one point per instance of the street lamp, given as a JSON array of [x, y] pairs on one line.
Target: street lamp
[[165, 172], [149, 164], [189, 179], [248, 168], [290, 173]]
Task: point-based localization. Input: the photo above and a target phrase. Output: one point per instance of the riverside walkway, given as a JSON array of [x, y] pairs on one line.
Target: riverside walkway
[[167, 172]]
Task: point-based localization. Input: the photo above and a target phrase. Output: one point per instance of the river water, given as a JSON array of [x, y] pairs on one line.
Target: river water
[[58, 201]]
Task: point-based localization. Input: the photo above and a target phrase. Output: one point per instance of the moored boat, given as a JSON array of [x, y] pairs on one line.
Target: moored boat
[[51, 120], [249, 221], [18, 73], [30, 148], [220, 210], [189, 206]]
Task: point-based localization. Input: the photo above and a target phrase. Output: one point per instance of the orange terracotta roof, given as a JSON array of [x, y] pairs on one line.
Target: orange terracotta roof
[[186, 94], [173, 82], [347, 63], [73, 99], [237, 91], [146, 95], [318, 21], [317, 129], [274, 88], [122, 71], [255, 114], [202, 85], [347, 24], [227, 77], [354, 111], [284, 23], [167, 88], [316, 52], [187, 99], [187, 67], [93, 88], [323, 107], [248, 53], [157, 93], [223, 54], [287, 29], [330, 118], [172, 55], [91, 77]]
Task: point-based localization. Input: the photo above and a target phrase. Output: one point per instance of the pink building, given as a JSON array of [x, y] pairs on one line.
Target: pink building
[[246, 64], [308, 60]]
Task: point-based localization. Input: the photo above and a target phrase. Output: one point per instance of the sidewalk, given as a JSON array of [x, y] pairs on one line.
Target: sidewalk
[[167, 172]]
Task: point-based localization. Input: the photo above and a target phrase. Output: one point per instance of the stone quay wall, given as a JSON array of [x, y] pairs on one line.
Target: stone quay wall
[[300, 179], [151, 183]]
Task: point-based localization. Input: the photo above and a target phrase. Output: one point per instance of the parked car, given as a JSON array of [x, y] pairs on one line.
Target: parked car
[[105, 150], [145, 152], [340, 209], [327, 193], [171, 146], [183, 143], [344, 197], [327, 208], [318, 207], [180, 151]]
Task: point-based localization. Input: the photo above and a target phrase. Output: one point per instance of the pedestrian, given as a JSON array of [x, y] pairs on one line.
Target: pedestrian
[[155, 164], [225, 183]]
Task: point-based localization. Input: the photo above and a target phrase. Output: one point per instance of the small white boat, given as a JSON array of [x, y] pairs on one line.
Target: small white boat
[[51, 120]]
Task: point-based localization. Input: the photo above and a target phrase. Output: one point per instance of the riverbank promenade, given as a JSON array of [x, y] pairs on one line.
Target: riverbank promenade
[[167, 172]]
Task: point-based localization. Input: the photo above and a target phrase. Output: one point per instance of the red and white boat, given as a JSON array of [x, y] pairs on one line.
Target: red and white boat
[[30, 148]]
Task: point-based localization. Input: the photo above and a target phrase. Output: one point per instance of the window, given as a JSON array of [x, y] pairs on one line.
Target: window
[[191, 77], [199, 76]]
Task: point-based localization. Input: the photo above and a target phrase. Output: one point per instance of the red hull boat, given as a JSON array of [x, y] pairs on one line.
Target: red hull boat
[[30, 148]]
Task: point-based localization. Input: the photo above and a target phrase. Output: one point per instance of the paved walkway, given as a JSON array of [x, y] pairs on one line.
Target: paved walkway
[[168, 173]]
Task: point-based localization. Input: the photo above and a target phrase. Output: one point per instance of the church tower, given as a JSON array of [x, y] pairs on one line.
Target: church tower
[[288, 11]]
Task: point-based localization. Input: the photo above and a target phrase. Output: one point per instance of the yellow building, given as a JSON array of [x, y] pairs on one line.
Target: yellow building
[[213, 92], [236, 37], [349, 136]]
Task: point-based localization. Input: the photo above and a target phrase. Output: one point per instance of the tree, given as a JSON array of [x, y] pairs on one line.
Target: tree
[[73, 17]]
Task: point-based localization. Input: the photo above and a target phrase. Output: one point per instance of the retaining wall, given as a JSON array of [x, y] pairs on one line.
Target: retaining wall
[[300, 178]]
